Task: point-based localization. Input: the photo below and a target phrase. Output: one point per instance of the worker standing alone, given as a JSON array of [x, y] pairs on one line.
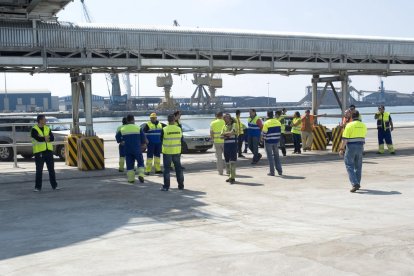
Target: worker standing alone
[[216, 127], [384, 127], [153, 131], [121, 146], [271, 135], [229, 133], [352, 148], [42, 138], [171, 152], [134, 140]]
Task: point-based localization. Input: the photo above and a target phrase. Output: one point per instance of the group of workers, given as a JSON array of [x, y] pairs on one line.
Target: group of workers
[[228, 134]]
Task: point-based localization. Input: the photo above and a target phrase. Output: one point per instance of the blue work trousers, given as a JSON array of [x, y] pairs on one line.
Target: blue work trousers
[[154, 149], [272, 152], [131, 157], [384, 135], [176, 160], [353, 162]]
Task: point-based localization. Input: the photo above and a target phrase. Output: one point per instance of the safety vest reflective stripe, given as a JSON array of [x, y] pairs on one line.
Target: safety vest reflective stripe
[[230, 141], [355, 140], [130, 133], [272, 134], [41, 146]]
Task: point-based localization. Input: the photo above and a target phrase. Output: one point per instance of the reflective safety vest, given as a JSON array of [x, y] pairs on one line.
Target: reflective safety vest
[[41, 146], [271, 131], [355, 132], [154, 133], [216, 127], [233, 137], [383, 120], [239, 126], [171, 142], [281, 119], [253, 130], [296, 129]]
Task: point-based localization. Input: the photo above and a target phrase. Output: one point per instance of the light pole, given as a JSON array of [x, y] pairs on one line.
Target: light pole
[[268, 94]]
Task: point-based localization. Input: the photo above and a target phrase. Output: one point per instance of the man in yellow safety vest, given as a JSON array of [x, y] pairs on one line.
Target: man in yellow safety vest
[[216, 127], [42, 138], [171, 151], [384, 126]]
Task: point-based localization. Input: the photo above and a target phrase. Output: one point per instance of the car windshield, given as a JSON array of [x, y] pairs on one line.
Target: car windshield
[[186, 128], [57, 127]]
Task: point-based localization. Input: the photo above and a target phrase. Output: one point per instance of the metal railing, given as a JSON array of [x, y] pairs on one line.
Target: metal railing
[[15, 144]]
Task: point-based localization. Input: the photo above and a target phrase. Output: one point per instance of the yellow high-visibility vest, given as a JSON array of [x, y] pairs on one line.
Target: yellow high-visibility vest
[[216, 126], [296, 129], [171, 142], [41, 146]]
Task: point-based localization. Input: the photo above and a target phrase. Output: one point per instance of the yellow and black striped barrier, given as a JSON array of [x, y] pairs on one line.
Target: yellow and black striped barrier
[[336, 138], [91, 153], [71, 150], [319, 138]]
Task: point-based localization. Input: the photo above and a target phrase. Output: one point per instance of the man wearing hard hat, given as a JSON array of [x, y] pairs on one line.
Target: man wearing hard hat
[[153, 131]]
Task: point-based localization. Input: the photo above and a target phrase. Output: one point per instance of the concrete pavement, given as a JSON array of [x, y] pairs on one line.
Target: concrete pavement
[[303, 222]]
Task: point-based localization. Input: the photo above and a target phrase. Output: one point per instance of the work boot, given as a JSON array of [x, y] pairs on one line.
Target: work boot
[[355, 188], [141, 174], [391, 148], [148, 166], [157, 164], [159, 172], [381, 149], [121, 164], [259, 157], [232, 171], [181, 186], [131, 176]]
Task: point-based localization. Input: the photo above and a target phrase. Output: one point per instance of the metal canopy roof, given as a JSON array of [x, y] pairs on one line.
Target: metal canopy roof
[[67, 47], [30, 9]]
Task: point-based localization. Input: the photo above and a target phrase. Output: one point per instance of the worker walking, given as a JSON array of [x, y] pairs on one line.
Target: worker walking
[[240, 133], [153, 131], [229, 133], [42, 138], [296, 125], [134, 140], [121, 146], [216, 127], [282, 142], [171, 150], [271, 135], [254, 131], [353, 139], [384, 127]]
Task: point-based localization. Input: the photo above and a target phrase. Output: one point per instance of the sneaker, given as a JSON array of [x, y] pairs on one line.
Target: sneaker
[[159, 172], [164, 189], [36, 190], [141, 179], [147, 173], [271, 174], [279, 173], [355, 188]]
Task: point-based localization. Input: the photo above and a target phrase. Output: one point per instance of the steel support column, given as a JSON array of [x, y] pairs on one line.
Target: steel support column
[[345, 92], [75, 104], [315, 95]]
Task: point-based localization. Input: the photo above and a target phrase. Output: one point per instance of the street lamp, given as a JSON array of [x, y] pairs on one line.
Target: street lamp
[[268, 93]]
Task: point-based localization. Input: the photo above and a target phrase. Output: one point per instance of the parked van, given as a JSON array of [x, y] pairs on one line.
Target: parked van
[[60, 131]]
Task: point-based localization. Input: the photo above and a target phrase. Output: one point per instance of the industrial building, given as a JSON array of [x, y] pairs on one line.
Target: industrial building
[[65, 103], [27, 101], [390, 97]]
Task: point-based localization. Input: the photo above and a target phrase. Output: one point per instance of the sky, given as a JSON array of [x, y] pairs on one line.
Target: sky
[[351, 17]]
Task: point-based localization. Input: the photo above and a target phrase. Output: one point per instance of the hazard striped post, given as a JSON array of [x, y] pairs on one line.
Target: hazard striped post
[[336, 138], [319, 138], [71, 149], [91, 153]]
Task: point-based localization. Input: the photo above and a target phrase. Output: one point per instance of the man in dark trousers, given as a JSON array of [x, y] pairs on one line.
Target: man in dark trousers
[[42, 138]]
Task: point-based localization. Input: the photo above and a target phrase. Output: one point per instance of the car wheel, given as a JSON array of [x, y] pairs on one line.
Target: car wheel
[[27, 156], [6, 154], [61, 152], [184, 147]]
